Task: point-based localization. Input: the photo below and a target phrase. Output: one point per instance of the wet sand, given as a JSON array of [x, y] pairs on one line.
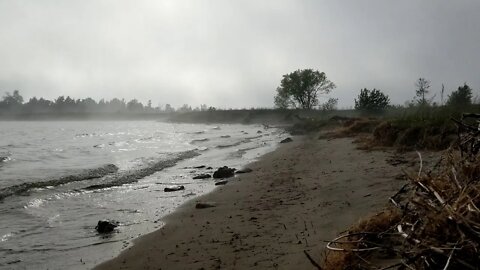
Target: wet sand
[[298, 196]]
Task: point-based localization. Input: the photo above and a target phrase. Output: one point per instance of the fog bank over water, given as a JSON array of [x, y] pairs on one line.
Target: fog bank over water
[[233, 54]]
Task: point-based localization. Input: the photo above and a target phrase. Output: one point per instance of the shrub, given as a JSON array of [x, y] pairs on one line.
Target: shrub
[[461, 97], [371, 101]]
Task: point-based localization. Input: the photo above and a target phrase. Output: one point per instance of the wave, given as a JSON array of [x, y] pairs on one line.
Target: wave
[[132, 176], [85, 175], [246, 140], [199, 140], [4, 159]]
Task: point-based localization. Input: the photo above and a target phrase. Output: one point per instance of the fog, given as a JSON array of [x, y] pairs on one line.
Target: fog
[[233, 54]]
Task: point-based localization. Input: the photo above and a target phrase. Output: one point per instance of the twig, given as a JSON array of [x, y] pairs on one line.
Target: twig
[[449, 258], [421, 164], [312, 261]]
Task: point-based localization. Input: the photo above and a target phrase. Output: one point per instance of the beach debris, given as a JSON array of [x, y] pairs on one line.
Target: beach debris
[[173, 188], [189, 194], [286, 140], [433, 221], [202, 176], [106, 226], [246, 170], [202, 205], [224, 172], [220, 183]]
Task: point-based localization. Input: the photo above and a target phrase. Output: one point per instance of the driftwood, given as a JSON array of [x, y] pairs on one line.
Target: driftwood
[[439, 224]]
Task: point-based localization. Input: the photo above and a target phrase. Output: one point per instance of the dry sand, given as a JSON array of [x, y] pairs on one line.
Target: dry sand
[[298, 196]]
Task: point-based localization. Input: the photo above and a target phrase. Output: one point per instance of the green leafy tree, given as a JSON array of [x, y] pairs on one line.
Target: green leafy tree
[[461, 97], [422, 85], [371, 100], [300, 89]]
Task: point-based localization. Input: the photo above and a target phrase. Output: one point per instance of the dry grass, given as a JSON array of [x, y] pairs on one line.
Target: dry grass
[[353, 127], [373, 225]]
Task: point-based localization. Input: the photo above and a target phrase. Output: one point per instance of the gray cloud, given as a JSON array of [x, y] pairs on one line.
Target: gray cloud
[[233, 54]]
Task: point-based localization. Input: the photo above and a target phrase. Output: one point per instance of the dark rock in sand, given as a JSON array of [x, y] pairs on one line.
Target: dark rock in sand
[[209, 168], [199, 167], [202, 176], [106, 226], [202, 205], [287, 140], [224, 172], [221, 183], [246, 170], [258, 132], [173, 188]]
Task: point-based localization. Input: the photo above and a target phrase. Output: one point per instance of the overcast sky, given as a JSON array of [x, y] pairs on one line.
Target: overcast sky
[[233, 53]]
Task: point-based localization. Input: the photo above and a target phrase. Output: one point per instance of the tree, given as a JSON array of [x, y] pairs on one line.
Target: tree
[[330, 105], [300, 89], [422, 85], [134, 106], [13, 99], [371, 100], [169, 108], [11, 102], [461, 97]]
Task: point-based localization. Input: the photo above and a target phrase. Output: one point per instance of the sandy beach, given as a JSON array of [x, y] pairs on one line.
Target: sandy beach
[[296, 198]]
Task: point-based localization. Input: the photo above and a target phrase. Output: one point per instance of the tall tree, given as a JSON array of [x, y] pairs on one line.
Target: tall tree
[[422, 85], [300, 89]]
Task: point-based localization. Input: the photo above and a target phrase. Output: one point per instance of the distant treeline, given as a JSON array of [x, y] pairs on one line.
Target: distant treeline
[[13, 104]]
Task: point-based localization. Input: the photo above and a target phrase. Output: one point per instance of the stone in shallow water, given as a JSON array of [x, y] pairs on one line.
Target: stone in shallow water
[[287, 140], [220, 183], [173, 188], [224, 172], [106, 226], [202, 176]]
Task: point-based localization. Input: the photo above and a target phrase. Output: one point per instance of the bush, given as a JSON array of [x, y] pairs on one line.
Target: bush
[[371, 101], [461, 97]]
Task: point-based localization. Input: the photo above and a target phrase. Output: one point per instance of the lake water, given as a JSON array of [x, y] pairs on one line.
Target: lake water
[[57, 179]]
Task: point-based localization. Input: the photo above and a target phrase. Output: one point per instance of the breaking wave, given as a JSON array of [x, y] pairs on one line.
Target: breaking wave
[[132, 176], [85, 175]]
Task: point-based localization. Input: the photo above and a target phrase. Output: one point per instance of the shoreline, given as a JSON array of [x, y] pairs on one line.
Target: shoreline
[[268, 218]]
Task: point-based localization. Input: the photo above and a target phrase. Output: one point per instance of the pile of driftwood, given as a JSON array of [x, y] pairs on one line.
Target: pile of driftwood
[[434, 221]]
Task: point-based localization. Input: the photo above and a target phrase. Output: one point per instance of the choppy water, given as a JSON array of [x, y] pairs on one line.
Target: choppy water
[[57, 179]]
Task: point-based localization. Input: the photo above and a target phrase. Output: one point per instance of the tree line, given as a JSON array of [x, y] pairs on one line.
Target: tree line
[[300, 90], [13, 103]]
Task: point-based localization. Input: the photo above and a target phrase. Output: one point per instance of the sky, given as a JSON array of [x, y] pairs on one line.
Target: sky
[[232, 54]]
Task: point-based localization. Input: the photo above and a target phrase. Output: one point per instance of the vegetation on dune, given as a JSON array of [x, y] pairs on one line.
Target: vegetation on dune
[[461, 97], [423, 86], [432, 223], [373, 101]]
